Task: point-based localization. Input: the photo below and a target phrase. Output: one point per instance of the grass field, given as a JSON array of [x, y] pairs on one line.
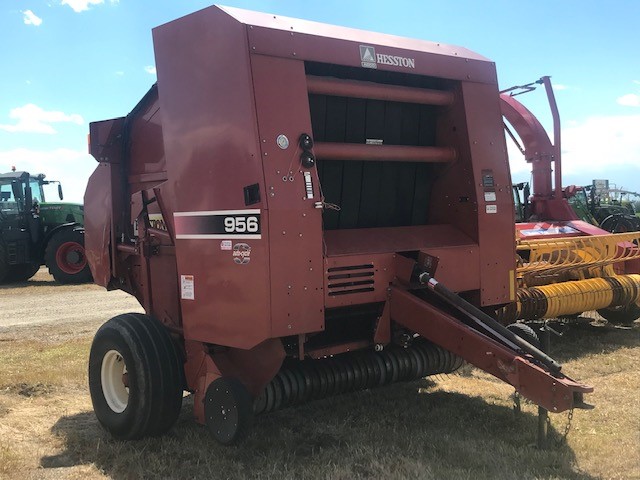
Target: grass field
[[460, 426]]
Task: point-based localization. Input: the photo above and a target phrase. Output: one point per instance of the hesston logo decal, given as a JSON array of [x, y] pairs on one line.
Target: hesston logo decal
[[369, 59]]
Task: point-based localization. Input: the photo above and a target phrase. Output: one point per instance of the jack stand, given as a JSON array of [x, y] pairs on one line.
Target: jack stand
[[543, 413], [543, 428]]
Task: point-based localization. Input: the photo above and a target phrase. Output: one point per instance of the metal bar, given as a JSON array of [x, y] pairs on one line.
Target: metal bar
[[375, 91], [392, 153], [553, 392], [556, 136]]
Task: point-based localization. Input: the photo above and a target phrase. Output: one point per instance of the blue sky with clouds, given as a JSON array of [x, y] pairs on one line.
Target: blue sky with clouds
[[66, 63]]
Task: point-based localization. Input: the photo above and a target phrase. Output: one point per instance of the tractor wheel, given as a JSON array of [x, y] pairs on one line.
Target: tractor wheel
[[23, 272], [526, 333], [228, 409], [65, 257], [620, 224], [135, 377], [624, 315]]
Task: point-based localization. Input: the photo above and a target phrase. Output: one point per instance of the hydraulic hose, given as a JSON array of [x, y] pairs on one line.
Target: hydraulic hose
[[490, 325]]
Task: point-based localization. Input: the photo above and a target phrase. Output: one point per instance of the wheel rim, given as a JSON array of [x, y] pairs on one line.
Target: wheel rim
[[113, 376], [70, 257]]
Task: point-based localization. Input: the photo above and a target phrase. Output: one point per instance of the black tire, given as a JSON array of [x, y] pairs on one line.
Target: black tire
[[154, 377], [625, 315], [22, 273], [618, 223], [228, 410], [65, 257], [526, 333]]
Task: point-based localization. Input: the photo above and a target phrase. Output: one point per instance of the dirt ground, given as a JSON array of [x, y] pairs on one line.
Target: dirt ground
[[459, 426], [73, 308]]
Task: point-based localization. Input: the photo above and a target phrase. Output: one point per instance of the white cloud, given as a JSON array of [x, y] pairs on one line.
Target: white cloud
[[629, 100], [559, 86], [150, 69], [120, 73], [600, 143], [33, 119], [83, 5], [31, 18], [598, 147], [71, 167]]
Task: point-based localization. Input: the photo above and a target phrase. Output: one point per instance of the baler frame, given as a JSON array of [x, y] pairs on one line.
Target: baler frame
[[266, 289]]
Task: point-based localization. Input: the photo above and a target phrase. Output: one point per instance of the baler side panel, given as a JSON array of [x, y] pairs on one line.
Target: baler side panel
[[212, 152], [295, 224], [97, 209], [493, 192]]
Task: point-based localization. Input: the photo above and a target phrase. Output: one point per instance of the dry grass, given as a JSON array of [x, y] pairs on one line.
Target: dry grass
[[461, 426]]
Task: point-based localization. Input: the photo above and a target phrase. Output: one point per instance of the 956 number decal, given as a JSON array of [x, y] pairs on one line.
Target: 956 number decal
[[220, 224], [242, 224]]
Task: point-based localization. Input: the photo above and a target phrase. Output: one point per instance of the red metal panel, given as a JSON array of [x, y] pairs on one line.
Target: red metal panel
[[495, 204], [97, 210], [327, 48], [381, 268], [212, 151], [295, 225], [458, 267]]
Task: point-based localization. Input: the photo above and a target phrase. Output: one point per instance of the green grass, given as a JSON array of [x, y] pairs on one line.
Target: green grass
[[460, 427]]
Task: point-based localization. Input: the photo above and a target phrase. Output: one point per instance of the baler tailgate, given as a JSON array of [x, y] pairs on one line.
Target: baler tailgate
[[556, 393]]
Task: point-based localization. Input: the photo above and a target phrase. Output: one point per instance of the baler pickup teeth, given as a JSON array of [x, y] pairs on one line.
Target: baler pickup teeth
[[530, 376], [566, 254]]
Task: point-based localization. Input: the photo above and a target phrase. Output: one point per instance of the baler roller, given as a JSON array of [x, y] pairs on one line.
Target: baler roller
[[314, 379], [564, 254], [567, 298]]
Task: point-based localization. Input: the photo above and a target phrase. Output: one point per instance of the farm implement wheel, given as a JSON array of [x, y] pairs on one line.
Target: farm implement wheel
[[135, 377], [228, 410], [65, 257], [624, 315], [526, 333]]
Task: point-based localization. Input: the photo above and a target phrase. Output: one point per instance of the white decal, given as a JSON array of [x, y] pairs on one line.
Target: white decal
[[370, 59], [187, 287], [489, 196], [225, 245], [492, 209]]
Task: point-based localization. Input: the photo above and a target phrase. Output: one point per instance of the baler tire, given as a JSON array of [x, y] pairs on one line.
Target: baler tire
[[150, 401], [228, 410], [625, 315], [56, 254], [526, 333]]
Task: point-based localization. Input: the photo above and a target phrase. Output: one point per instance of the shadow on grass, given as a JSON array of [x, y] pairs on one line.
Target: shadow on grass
[[584, 336], [392, 432]]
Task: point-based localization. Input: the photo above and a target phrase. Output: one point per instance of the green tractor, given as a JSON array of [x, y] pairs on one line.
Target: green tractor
[[34, 232], [610, 213]]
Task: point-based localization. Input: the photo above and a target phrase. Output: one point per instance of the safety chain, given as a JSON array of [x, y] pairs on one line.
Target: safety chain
[[567, 428]]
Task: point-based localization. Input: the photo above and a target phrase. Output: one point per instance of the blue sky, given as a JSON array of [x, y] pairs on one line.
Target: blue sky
[[66, 63]]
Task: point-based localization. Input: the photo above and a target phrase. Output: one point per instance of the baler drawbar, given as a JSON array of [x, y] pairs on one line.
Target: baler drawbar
[[281, 203]]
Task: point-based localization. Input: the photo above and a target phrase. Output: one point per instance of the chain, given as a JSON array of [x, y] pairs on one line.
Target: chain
[[567, 428]]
